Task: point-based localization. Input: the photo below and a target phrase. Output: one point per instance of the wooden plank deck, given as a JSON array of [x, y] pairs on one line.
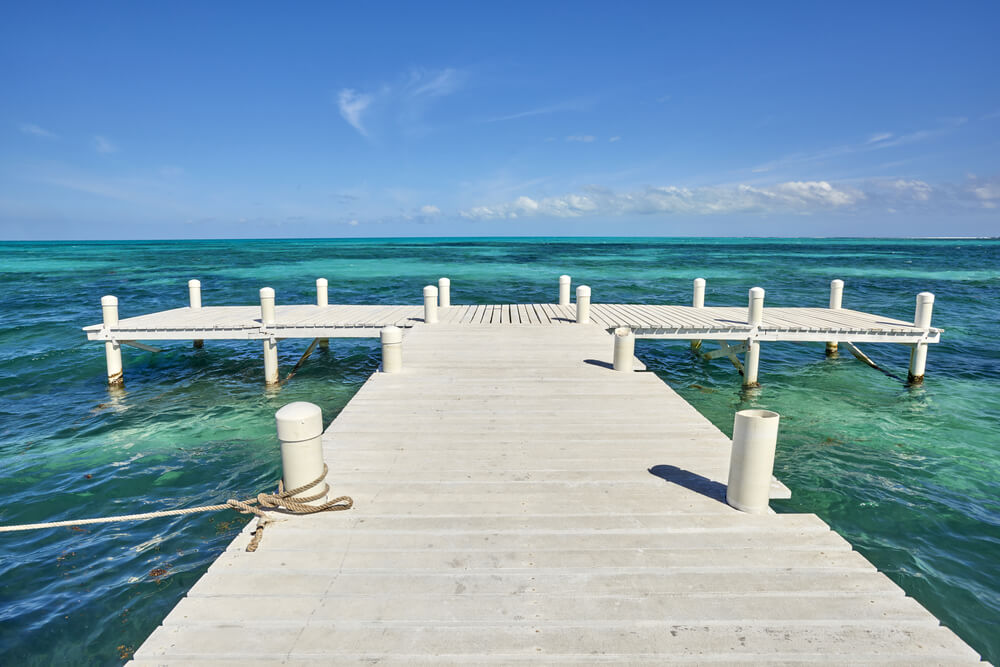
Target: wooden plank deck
[[518, 501]]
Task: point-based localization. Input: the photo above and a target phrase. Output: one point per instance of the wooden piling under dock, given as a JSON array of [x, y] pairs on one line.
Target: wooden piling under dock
[[518, 500]]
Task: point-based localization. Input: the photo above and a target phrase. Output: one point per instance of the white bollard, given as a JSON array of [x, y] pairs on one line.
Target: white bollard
[[323, 300], [270, 343], [582, 304], [624, 349], [430, 304], [194, 298], [755, 314], [698, 301], [392, 349], [300, 432], [444, 293], [921, 320], [836, 299], [112, 349], [751, 463], [564, 283]]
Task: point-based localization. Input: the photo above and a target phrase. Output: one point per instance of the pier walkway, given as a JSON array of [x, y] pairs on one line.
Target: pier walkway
[[517, 500]]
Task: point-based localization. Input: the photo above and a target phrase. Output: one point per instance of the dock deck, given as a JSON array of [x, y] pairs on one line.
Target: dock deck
[[517, 500]]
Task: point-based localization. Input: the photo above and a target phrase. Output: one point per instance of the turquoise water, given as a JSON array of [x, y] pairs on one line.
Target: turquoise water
[[910, 476]]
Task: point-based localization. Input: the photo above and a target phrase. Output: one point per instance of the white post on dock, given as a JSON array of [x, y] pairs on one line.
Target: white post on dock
[[582, 304], [624, 349], [755, 314], [300, 432], [392, 349], [444, 293], [836, 299], [430, 304], [698, 301], [323, 300], [564, 283], [112, 349], [751, 463], [921, 320], [270, 343], [194, 297]]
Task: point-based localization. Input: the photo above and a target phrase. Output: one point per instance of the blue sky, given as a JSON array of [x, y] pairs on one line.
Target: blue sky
[[190, 120]]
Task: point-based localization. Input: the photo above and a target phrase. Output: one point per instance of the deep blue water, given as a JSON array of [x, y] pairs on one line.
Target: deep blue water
[[910, 476]]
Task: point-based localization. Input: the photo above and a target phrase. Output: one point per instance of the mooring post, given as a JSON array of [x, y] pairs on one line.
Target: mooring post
[[755, 314], [444, 293], [698, 301], [751, 462], [921, 320], [323, 300], [564, 283], [270, 343], [624, 349], [430, 304], [836, 299], [194, 298], [392, 349], [300, 432], [112, 349], [582, 304]]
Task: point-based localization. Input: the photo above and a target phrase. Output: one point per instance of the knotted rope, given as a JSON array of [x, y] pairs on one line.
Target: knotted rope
[[256, 506]]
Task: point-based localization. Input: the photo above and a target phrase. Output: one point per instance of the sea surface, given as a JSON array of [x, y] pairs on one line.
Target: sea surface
[[909, 475]]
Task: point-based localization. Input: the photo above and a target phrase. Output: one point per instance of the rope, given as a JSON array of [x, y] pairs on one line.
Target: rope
[[256, 506]]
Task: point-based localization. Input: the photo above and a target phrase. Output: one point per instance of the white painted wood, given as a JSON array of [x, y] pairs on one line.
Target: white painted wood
[[300, 432], [392, 349], [624, 351], [921, 320], [444, 292], [564, 285], [582, 304], [112, 348], [755, 437]]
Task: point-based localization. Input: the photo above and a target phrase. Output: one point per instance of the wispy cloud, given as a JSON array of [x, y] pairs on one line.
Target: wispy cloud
[[103, 145], [36, 131], [612, 140], [581, 138], [400, 104], [578, 104]]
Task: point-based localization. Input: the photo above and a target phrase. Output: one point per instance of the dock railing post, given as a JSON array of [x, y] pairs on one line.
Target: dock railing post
[[582, 304], [755, 314], [267, 319], [323, 300], [564, 284], [444, 293], [751, 463], [300, 432], [392, 349], [194, 298], [624, 349], [698, 301], [112, 349], [921, 320], [836, 299], [430, 304]]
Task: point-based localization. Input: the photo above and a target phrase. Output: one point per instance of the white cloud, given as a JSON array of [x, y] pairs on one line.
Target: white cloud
[[918, 190], [614, 139], [103, 145], [430, 210], [352, 106], [353, 223], [569, 105], [582, 138], [35, 130], [881, 136]]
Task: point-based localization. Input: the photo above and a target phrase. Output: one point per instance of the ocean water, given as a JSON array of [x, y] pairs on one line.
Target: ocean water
[[910, 476]]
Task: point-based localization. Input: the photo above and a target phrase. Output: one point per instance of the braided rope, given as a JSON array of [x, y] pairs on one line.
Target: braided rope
[[264, 501]]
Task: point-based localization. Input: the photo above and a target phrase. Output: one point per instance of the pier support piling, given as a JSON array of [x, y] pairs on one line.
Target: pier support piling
[[836, 299], [444, 293], [582, 304], [270, 343], [392, 349], [755, 314], [112, 349], [194, 298], [300, 432], [564, 284], [430, 304], [323, 300], [918, 354], [698, 301], [751, 463], [624, 349]]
